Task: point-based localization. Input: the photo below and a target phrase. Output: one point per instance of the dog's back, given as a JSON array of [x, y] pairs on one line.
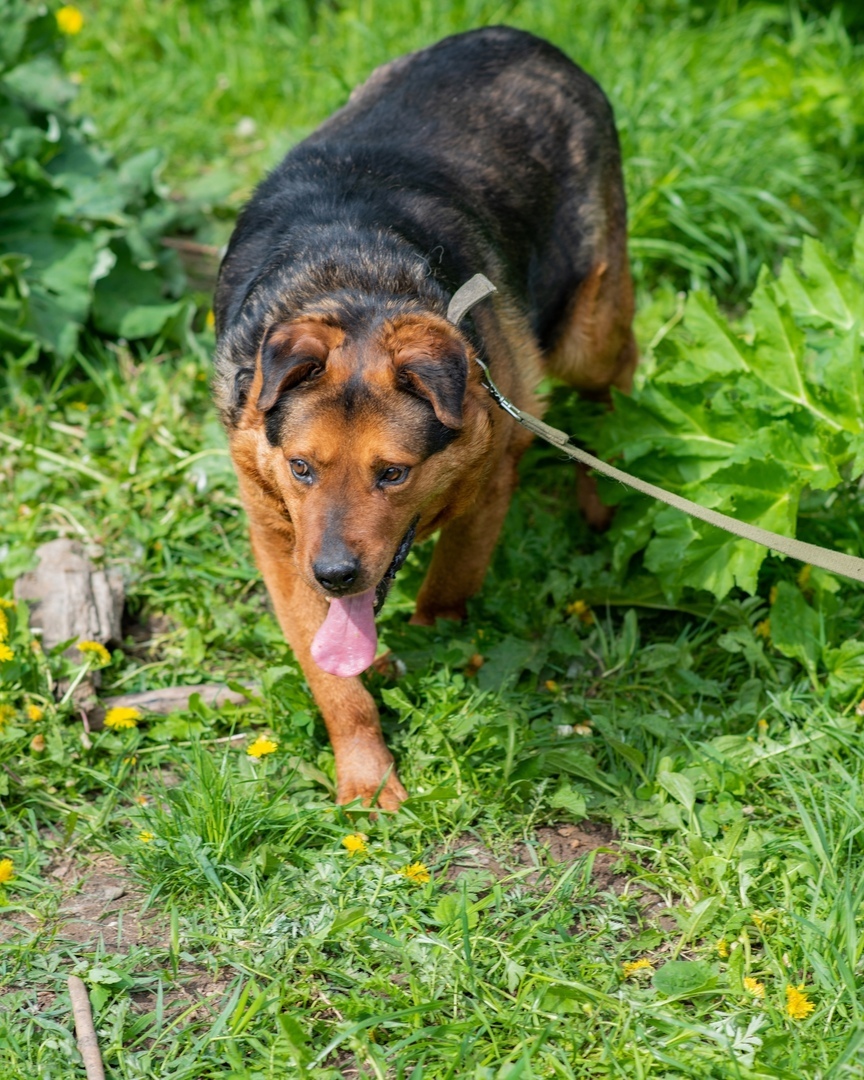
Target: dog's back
[[490, 149]]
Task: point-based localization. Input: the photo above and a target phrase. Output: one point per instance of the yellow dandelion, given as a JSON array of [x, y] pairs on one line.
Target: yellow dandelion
[[355, 844], [6, 714], [145, 836], [763, 629], [4, 625], [762, 726], [798, 1004], [37, 744], [5, 654], [210, 320], [722, 948], [99, 653], [581, 611], [635, 966], [121, 717], [142, 800], [552, 686], [416, 872], [754, 987], [4, 603], [34, 713], [7, 871], [69, 20], [261, 746]]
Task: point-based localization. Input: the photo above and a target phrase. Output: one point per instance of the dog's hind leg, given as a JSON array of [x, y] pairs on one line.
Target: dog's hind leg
[[363, 762], [595, 349]]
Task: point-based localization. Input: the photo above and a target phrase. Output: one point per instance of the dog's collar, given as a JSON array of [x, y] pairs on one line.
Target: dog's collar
[[466, 296]]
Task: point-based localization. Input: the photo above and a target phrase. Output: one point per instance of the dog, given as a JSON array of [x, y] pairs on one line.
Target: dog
[[356, 414]]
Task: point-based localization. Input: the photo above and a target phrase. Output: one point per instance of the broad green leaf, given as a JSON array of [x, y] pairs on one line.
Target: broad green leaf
[[565, 798], [714, 348], [41, 83], [779, 344], [833, 293], [845, 666], [858, 251], [795, 627], [680, 977], [680, 787]]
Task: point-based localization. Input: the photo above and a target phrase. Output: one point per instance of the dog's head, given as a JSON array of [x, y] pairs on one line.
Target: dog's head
[[362, 432]]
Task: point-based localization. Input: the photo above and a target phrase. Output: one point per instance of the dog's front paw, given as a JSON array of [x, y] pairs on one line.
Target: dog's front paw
[[428, 614], [363, 784]]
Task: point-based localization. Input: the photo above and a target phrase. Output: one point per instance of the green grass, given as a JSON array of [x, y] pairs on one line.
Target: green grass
[[734, 781]]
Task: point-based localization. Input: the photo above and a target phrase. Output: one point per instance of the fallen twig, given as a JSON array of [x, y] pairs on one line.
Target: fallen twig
[[171, 698], [88, 1045]]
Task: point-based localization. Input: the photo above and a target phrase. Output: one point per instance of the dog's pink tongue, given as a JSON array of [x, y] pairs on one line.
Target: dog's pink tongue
[[346, 643]]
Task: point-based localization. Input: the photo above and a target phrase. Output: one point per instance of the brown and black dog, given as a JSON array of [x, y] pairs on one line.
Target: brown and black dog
[[356, 414]]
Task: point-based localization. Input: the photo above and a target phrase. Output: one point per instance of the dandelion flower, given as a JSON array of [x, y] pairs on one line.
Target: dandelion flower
[[145, 837], [722, 948], [261, 746], [99, 653], [6, 714], [5, 653], [635, 966], [582, 612], [37, 744], [34, 713], [69, 20], [7, 871], [210, 320], [4, 603], [416, 872], [355, 844], [552, 686], [798, 1005], [121, 717], [4, 625], [754, 987]]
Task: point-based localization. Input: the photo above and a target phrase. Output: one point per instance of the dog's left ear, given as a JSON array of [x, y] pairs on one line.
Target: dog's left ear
[[440, 375]]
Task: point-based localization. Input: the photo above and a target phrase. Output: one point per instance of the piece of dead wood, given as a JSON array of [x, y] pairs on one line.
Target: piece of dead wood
[[169, 699], [88, 1044], [71, 597]]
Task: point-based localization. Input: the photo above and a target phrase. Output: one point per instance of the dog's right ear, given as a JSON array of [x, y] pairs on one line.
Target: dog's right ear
[[291, 353]]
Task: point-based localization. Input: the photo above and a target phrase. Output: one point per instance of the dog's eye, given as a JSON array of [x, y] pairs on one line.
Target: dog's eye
[[395, 474], [301, 471]]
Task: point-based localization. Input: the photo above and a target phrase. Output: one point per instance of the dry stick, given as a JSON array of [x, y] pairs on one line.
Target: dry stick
[[88, 1045]]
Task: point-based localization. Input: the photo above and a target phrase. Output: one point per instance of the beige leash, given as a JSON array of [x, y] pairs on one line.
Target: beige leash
[[479, 287]]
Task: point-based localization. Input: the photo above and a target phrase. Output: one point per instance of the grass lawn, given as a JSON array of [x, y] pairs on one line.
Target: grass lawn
[[635, 843]]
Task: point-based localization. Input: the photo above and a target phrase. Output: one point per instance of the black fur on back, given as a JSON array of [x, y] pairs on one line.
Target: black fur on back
[[486, 152]]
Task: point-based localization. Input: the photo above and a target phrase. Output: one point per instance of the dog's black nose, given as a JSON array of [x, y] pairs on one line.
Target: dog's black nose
[[336, 577]]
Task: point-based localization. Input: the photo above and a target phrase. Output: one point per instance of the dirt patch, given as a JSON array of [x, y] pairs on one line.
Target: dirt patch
[[95, 899], [561, 844]]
